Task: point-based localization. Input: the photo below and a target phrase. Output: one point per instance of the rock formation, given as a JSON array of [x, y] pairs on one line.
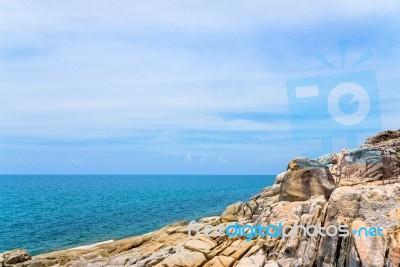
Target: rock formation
[[356, 187]]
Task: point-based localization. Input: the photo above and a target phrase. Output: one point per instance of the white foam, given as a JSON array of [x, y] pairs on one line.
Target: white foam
[[92, 245]]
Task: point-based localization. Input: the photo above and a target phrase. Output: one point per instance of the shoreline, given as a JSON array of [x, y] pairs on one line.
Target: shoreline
[[112, 210], [357, 187], [91, 245]]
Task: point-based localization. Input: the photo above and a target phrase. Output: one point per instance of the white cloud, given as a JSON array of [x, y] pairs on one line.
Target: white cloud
[[75, 71], [76, 162], [78, 16], [222, 160]]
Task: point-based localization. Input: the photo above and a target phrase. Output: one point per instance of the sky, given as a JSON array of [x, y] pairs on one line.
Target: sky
[[190, 87]]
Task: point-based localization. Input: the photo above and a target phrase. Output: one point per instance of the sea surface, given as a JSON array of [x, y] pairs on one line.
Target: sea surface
[[44, 213]]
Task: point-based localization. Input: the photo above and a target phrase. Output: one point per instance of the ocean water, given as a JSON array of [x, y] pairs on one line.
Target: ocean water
[[44, 213]]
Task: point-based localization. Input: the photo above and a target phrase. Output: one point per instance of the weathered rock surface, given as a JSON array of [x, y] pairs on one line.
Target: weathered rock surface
[[356, 187], [304, 179], [183, 258], [378, 160], [13, 257], [235, 212], [220, 261]]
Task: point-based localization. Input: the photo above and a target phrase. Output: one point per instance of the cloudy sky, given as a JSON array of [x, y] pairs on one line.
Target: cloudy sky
[[185, 87]]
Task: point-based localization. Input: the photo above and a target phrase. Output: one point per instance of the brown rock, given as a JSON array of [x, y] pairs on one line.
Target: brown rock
[[220, 261], [304, 179], [286, 263], [271, 264], [344, 202], [252, 261], [184, 258], [201, 244], [371, 249], [16, 256], [383, 138], [394, 252], [235, 212], [238, 248]]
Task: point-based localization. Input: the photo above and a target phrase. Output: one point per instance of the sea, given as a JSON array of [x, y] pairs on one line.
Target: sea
[[44, 213]]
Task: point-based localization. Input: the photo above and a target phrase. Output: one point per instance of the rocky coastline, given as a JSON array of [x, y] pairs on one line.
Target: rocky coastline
[[356, 187]]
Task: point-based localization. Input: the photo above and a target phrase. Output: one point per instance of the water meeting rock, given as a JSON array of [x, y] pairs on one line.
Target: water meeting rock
[[357, 187]]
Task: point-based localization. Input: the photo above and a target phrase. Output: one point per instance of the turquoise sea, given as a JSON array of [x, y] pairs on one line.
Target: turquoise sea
[[44, 213]]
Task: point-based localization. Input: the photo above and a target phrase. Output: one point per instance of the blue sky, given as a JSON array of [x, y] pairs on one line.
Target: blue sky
[[186, 87]]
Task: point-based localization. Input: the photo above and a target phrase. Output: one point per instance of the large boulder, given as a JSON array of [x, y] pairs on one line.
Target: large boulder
[[16, 256], [344, 202], [378, 161], [354, 166], [371, 249], [304, 179], [184, 258], [328, 159], [235, 212]]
